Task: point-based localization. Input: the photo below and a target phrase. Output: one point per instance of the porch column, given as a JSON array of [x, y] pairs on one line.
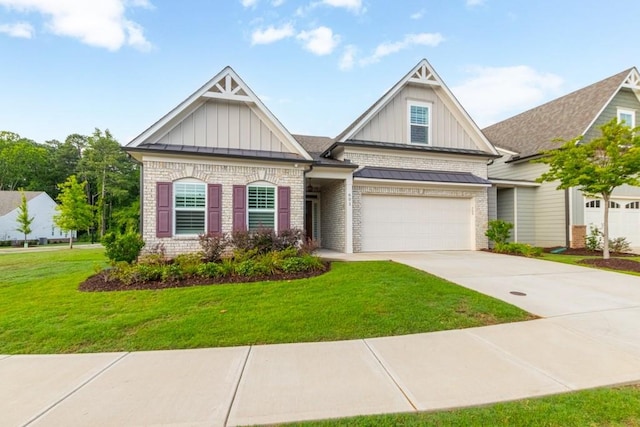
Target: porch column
[[348, 215]]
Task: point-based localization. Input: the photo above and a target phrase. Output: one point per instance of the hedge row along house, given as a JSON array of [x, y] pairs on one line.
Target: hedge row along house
[[410, 174]]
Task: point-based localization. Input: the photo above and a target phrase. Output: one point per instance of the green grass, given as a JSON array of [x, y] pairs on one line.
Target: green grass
[[41, 310], [618, 406]]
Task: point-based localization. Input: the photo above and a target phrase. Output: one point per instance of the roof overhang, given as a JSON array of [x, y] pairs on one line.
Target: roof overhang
[[511, 183], [407, 147], [421, 177]]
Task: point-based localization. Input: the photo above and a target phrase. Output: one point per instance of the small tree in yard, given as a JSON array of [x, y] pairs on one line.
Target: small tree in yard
[[74, 212], [23, 219], [597, 167]]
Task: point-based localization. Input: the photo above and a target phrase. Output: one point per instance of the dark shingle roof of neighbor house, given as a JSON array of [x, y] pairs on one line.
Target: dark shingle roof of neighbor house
[[420, 175], [567, 117], [224, 152], [10, 200]]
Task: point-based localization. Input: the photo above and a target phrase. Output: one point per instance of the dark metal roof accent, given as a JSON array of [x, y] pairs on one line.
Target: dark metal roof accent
[[420, 175], [217, 151], [407, 147]]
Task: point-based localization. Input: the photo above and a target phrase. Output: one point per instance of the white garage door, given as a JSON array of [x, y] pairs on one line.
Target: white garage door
[[624, 218], [397, 223]]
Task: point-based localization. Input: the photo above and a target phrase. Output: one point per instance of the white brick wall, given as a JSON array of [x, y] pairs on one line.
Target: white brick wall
[[228, 176], [333, 216]]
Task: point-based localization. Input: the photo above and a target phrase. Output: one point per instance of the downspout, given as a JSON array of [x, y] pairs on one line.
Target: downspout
[[567, 218]]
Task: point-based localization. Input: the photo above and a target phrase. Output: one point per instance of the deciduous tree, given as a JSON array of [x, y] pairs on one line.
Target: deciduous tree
[[23, 219], [597, 167], [74, 212]]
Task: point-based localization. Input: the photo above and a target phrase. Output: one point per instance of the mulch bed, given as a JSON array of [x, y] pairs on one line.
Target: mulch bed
[[101, 283], [613, 263], [587, 252]]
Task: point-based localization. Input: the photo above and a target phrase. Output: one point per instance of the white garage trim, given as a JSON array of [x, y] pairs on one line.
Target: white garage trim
[[624, 217], [416, 223]]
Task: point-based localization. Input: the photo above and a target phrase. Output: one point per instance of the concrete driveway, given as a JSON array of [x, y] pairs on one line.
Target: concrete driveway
[[590, 338]]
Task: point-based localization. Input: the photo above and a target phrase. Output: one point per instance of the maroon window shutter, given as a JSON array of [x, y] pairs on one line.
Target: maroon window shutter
[[214, 208], [239, 208], [164, 203], [284, 208]]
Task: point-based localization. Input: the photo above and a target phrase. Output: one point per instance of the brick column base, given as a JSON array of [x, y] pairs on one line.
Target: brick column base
[[579, 236]]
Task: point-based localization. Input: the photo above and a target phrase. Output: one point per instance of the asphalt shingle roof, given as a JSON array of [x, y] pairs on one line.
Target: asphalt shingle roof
[[10, 200], [533, 131], [217, 151], [419, 175]]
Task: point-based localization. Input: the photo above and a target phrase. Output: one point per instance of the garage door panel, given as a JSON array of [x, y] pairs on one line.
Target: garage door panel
[[624, 221], [402, 223]]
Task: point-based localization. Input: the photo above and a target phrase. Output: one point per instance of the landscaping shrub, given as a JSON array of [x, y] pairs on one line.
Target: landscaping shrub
[[124, 272], [620, 245], [188, 263], [213, 245], [122, 247], [149, 272], [172, 273], [308, 246], [285, 239], [241, 240], [498, 231], [249, 268], [594, 239], [210, 269], [514, 248]]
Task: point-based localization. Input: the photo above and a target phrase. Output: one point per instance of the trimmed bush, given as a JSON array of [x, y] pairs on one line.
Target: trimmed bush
[[213, 245], [210, 269], [524, 249], [122, 247], [498, 231]]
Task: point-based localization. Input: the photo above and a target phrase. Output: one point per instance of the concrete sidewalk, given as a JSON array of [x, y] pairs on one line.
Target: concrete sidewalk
[[585, 344]]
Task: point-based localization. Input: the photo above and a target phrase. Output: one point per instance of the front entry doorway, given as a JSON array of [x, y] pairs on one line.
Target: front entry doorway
[[312, 216]]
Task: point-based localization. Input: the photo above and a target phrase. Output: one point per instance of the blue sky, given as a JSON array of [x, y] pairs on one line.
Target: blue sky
[[70, 66]]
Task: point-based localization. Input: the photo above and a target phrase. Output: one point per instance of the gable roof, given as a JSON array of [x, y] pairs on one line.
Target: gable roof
[[533, 131], [422, 74], [226, 85], [10, 200]]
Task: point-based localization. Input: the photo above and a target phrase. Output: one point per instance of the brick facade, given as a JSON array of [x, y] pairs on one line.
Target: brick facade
[[332, 210], [225, 174]]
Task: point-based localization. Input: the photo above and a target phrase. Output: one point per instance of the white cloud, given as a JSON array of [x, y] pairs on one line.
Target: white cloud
[[492, 94], [353, 5], [19, 29], [417, 15], [472, 3], [347, 61], [385, 49], [249, 3], [320, 41], [272, 34], [277, 3], [95, 23]]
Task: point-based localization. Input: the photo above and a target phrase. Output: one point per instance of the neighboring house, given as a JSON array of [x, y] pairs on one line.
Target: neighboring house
[[542, 215], [40, 206], [409, 174]]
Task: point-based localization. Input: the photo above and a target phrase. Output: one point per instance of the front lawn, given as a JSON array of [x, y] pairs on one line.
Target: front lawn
[[42, 311], [619, 406]]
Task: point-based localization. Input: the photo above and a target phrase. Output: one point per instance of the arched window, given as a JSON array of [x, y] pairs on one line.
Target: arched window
[[593, 204], [189, 203], [632, 205], [614, 205]]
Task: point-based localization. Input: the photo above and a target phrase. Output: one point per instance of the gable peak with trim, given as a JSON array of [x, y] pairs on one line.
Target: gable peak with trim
[[451, 126], [224, 117], [536, 130]]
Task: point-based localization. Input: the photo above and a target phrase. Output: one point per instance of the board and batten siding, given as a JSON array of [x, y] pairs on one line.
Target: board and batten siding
[[221, 124], [546, 201], [391, 122], [624, 99]]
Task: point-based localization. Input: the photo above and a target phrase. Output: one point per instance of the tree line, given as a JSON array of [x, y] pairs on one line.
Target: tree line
[[111, 177]]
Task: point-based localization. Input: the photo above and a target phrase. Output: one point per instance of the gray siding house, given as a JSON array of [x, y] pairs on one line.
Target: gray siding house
[[409, 174], [543, 215]]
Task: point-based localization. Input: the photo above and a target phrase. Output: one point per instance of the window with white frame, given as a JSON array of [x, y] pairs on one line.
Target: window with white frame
[[189, 207], [261, 206], [627, 116], [419, 114]]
